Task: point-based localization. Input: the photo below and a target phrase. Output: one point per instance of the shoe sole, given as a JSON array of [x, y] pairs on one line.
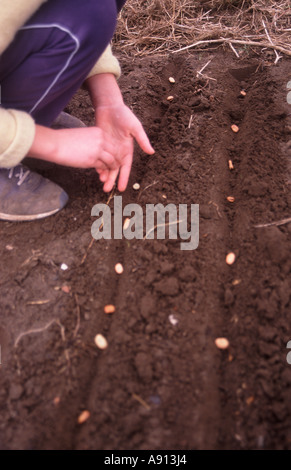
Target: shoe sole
[[26, 218]]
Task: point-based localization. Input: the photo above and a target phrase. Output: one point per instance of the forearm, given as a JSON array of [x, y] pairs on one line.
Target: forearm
[[43, 146], [104, 90], [86, 147]]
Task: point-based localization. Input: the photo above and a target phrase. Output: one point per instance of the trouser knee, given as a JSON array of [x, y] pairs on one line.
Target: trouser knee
[[53, 53]]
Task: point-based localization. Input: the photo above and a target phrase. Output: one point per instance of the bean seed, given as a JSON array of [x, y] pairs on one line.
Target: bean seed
[[222, 343], [230, 258], [119, 268], [83, 417], [100, 341], [109, 308]]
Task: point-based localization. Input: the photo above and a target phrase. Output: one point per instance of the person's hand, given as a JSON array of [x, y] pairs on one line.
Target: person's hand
[[119, 122], [87, 147]]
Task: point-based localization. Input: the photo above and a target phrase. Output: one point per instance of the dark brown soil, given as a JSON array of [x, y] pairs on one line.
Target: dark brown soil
[[160, 385]]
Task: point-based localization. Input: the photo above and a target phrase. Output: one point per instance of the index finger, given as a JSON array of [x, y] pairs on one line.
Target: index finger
[[124, 173], [110, 180]]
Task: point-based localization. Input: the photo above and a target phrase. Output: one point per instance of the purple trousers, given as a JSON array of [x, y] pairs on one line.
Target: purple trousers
[[52, 54]]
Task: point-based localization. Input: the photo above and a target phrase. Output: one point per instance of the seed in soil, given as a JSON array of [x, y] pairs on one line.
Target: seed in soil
[[222, 343], [170, 98], [235, 128], [230, 258], [172, 80], [126, 224], [230, 198], [100, 341], [109, 308], [136, 186], [230, 164], [84, 416], [118, 268]]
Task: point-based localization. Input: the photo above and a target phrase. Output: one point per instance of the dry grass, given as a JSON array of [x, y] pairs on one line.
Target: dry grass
[[163, 26]]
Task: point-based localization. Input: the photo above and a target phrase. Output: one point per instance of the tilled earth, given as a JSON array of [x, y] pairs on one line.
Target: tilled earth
[[162, 383]]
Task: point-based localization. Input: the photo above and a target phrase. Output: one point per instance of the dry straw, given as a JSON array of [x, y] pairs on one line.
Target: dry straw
[[162, 26]]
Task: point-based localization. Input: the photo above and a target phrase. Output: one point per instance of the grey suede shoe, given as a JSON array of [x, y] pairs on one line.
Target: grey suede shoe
[[26, 195]]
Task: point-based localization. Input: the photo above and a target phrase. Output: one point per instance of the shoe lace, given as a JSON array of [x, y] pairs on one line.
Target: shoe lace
[[22, 175]]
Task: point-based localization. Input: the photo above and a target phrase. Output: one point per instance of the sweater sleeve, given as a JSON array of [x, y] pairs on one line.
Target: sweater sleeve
[[107, 63], [17, 130]]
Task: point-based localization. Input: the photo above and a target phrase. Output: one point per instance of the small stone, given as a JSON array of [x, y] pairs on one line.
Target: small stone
[[15, 392], [173, 320]]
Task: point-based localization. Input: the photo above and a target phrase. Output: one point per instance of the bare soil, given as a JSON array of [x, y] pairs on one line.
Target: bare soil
[[161, 385]]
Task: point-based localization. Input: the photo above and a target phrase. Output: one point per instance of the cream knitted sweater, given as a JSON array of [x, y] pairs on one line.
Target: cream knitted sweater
[[17, 128]]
